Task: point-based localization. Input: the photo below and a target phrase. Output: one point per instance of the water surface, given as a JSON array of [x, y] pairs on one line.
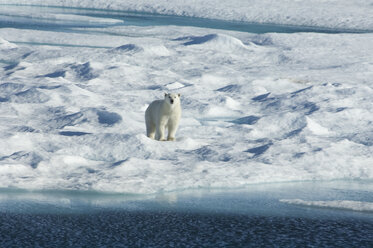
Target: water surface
[[251, 217]]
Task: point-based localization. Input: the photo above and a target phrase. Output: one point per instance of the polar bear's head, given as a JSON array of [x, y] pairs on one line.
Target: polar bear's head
[[172, 98]]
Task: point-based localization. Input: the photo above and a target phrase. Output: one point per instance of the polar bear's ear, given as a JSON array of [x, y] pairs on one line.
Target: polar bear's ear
[[179, 94], [165, 94]]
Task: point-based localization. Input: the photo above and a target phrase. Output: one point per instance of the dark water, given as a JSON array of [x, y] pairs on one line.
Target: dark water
[[179, 229], [142, 19], [253, 217]]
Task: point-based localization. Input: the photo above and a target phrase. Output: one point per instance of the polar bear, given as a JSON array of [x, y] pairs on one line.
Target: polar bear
[[163, 114]]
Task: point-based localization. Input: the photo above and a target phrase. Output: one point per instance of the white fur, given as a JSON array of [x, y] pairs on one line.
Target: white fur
[[162, 114]]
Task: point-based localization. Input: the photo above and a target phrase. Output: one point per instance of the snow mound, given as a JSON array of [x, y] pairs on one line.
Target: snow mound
[[216, 41], [144, 50], [157, 50], [4, 44], [128, 48], [175, 86]]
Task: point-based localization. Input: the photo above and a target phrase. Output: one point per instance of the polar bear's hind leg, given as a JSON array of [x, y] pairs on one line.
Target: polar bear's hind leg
[[150, 127], [150, 131]]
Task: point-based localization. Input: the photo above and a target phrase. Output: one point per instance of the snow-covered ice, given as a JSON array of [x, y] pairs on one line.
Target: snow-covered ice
[[257, 108], [16, 14], [346, 14], [342, 204]]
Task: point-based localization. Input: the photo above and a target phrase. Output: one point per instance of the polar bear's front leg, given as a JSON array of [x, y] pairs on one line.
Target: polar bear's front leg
[[172, 127], [160, 130]]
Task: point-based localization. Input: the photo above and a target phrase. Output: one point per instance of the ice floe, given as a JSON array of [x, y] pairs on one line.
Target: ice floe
[[257, 108], [340, 204]]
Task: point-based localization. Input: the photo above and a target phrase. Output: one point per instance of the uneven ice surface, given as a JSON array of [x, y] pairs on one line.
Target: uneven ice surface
[[257, 108]]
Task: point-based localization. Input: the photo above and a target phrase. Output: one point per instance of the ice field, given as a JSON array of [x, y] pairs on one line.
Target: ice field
[[258, 107]]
